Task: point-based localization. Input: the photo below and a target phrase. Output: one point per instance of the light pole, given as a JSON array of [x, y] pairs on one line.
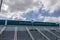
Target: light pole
[[1, 4]]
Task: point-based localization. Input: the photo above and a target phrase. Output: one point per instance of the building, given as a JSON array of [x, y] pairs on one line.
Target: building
[[28, 30]]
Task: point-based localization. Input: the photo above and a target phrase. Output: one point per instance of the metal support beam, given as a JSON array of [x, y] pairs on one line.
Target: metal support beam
[[5, 22], [2, 29], [4, 26], [42, 34], [30, 33], [51, 32], [15, 35]]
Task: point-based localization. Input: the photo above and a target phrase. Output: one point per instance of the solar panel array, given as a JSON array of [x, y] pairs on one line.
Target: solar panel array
[[30, 33], [27, 23]]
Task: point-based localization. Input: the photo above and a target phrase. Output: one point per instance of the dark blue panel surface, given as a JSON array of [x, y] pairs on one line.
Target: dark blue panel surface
[[2, 22], [27, 23]]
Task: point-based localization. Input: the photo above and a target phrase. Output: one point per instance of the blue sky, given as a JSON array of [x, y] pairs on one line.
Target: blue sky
[[38, 10]]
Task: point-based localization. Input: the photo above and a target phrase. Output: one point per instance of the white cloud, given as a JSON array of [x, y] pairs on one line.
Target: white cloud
[[4, 7], [52, 19], [15, 9], [51, 5], [49, 18], [12, 16], [21, 5], [40, 16]]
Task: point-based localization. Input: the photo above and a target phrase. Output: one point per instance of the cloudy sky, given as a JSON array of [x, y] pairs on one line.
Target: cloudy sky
[[38, 10]]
